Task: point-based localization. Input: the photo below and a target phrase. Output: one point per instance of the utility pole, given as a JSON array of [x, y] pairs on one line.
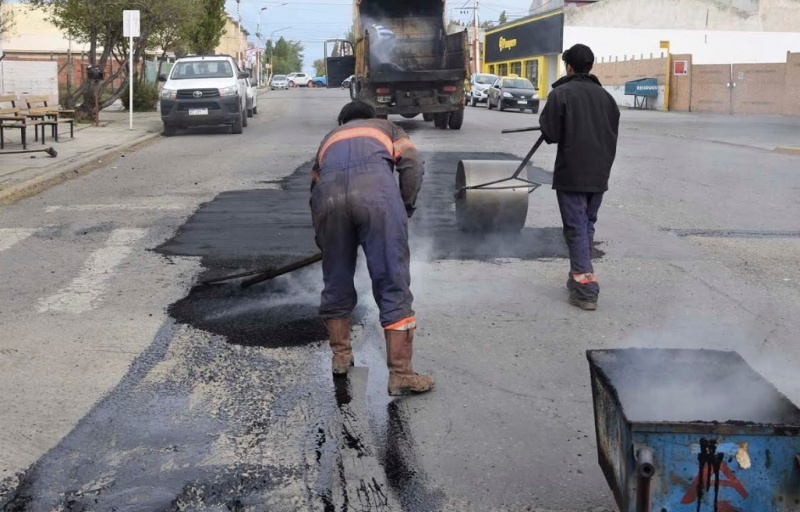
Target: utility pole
[[477, 43], [239, 32]]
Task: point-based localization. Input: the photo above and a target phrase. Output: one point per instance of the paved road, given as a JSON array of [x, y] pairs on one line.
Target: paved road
[[127, 389]]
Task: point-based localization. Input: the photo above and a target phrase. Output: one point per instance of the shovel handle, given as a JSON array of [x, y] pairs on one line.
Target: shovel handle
[[266, 276], [519, 130]]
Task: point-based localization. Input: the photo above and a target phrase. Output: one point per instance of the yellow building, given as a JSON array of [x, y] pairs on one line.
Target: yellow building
[[530, 47], [233, 41]]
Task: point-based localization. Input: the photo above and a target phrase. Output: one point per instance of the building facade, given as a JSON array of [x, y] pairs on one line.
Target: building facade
[[712, 31], [529, 47]]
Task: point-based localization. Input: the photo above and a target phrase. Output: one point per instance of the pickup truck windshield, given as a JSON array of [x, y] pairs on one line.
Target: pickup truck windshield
[[202, 69]]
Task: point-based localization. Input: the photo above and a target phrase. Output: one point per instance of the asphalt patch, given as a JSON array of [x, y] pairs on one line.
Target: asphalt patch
[[733, 233]]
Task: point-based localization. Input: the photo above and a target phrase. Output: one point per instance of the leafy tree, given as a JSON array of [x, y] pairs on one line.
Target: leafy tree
[[287, 57], [319, 67], [503, 18], [203, 35], [6, 18], [174, 22], [99, 23]]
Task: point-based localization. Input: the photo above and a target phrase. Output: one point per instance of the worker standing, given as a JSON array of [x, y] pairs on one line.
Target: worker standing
[[356, 201], [583, 119]]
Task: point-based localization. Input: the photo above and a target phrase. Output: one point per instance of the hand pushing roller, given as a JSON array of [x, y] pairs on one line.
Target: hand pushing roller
[[491, 195]]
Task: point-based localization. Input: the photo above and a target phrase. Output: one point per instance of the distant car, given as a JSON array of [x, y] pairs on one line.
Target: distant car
[[298, 79], [279, 82], [252, 98], [479, 85], [348, 81], [513, 92], [318, 81]]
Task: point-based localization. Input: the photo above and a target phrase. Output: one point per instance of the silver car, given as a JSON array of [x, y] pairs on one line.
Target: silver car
[[479, 88], [279, 82]]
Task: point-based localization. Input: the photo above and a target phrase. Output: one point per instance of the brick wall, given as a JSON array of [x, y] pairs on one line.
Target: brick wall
[[747, 89]]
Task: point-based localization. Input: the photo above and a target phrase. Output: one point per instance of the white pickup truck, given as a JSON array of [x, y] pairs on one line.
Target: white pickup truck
[[298, 79]]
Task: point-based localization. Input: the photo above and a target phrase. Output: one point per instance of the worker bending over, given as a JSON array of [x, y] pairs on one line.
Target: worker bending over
[[356, 201]]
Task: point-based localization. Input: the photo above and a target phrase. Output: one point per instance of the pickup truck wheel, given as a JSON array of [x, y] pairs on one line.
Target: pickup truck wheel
[[427, 117], [441, 120], [255, 110], [169, 130], [410, 116], [244, 118], [456, 119], [500, 106], [474, 102], [250, 112], [236, 128]]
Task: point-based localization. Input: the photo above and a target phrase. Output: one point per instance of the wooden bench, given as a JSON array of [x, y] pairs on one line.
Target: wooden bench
[[49, 116], [12, 118]]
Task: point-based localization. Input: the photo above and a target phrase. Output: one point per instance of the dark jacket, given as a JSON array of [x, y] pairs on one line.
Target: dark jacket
[[376, 142], [584, 120]]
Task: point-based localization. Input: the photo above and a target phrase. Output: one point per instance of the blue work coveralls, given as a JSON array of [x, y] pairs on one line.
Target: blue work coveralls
[[356, 200]]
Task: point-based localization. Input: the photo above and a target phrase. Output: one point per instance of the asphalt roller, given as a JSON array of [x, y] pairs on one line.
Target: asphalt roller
[[491, 196]]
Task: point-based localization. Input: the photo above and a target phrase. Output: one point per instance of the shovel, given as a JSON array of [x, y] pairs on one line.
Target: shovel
[[259, 276]]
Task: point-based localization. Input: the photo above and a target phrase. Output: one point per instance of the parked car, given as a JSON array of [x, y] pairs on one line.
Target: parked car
[[252, 98], [204, 91], [479, 85], [319, 81], [279, 82], [348, 81], [298, 79], [513, 92]]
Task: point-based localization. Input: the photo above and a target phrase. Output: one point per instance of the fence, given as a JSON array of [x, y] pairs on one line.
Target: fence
[[755, 89]]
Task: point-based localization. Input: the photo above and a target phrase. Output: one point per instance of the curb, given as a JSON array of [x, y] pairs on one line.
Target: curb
[[788, 151], [53, 177]]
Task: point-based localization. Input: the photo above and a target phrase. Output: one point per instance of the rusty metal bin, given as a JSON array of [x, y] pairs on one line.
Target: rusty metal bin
[[693, 430]]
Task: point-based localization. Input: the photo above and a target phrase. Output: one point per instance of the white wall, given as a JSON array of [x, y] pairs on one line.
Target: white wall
[[706, 47], [38, 78]]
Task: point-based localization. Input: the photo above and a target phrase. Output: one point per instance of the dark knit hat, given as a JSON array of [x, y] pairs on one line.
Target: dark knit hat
[[580, 57]]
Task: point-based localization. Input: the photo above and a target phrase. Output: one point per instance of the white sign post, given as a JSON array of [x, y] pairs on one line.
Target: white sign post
[[130, 29]]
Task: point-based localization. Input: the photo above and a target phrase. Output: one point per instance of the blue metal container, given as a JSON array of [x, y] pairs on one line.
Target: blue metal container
[[693, 431], [647, 87]]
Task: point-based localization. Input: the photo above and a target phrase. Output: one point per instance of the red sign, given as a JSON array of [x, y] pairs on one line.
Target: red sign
[[681, 67]]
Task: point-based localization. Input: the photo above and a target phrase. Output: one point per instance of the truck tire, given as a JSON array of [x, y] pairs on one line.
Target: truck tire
[[456, 119], [441, 120], [244, 118], [409, 116], [169, 130], [427, 117], [236, 127]]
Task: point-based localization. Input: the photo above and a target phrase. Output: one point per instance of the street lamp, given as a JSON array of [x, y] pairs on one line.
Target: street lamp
[[272, 49], [258, 36]]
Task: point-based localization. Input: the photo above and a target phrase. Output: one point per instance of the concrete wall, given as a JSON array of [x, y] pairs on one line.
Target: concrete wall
[[754, 89], [791, 103], [707, 47], [705, 15]]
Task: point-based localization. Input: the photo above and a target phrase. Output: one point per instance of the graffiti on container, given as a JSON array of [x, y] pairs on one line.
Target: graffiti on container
[[711, 466]]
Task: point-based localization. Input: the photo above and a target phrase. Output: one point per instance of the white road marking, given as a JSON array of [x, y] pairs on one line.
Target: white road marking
[[86, 289], [11, 237], [113, 207]]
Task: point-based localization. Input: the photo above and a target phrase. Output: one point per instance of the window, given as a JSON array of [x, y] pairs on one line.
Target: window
[[202, 69], [491, 69], [532, 71], [502, 69], [516, 68]]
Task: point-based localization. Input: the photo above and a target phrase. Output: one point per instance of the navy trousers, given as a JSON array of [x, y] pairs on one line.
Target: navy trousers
[[362, 206], [578, 215]]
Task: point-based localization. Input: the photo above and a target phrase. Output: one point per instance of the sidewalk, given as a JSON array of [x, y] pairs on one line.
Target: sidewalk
[[22, 175]]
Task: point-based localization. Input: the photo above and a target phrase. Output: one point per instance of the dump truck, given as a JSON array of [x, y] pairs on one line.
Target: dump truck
[[403, 61]]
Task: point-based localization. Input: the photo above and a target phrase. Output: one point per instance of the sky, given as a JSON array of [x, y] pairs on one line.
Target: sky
[[314, 21]]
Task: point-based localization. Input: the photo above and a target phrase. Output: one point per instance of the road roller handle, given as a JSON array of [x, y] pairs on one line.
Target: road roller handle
[[520, 130]]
